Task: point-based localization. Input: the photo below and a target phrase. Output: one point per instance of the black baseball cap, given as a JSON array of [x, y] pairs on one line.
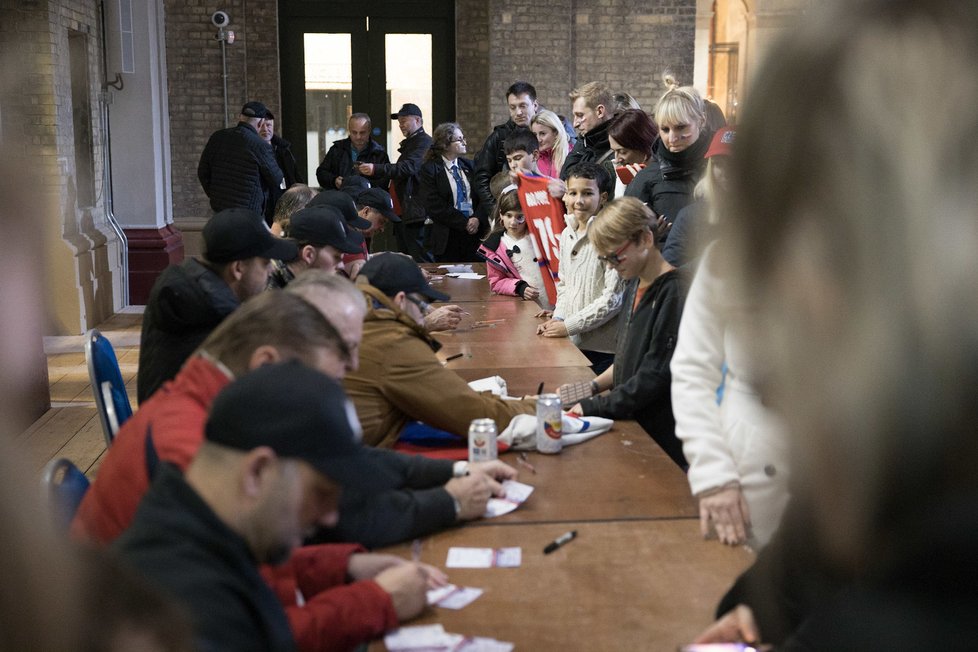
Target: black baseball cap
[[407, 109], [380, 200], [255, 110], [354, 184], [240, 233], [393, 272], [299, 413], [342, 202], [323, 225]]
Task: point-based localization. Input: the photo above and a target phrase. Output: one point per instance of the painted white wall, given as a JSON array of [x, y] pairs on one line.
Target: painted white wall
[[139, 124]]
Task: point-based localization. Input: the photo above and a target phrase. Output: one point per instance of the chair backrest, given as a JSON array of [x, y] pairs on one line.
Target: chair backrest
[[64, 486], [108, 387]]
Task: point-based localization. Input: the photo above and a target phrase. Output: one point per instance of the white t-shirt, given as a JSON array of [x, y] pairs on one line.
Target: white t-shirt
[[527, 265]]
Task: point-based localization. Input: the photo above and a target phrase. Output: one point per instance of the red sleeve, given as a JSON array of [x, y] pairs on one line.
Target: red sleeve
[[335, 616]]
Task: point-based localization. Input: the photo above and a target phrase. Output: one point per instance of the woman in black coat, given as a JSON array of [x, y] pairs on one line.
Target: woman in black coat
[[453, 229]]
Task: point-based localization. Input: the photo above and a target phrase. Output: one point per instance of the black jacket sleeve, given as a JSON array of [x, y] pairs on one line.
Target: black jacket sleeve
[[326, 172], [487, 165], [652, 379], [419, 507]]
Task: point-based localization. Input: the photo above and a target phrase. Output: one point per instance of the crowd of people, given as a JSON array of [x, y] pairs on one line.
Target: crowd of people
[[798, 343]]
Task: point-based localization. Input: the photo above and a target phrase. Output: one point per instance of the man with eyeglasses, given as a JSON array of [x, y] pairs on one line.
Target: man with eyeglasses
[[400, 379]]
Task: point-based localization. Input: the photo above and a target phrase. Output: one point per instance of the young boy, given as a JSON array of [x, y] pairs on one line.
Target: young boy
[[588, 293], [522, 152]]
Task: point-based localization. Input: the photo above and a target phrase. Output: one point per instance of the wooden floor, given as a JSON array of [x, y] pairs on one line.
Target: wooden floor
[[71, 427]]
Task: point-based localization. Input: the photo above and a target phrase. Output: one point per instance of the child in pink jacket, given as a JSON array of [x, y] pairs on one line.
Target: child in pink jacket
[[508, 250]]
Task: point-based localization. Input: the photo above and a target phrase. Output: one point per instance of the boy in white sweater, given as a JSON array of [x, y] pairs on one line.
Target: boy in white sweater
[[588, 293]]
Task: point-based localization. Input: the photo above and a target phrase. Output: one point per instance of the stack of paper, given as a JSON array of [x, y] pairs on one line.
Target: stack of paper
[[434, 638]]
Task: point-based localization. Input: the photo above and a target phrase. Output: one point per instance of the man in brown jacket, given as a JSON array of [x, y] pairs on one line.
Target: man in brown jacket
[[400, 379]]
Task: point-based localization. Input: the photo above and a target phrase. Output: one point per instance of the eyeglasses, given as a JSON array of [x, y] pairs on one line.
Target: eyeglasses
[[616, 258], [457, 140]]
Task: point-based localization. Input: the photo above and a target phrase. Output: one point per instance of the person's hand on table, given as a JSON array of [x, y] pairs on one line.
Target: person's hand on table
[[552, 328], [368, 565], [495, 469], [727, 510], [735, 626], [407, 586], [530, 293], [544, 314], [472, 225], [472, 493], [443, 318]]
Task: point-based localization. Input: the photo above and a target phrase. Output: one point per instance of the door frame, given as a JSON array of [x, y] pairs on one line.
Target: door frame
[[435, 17]]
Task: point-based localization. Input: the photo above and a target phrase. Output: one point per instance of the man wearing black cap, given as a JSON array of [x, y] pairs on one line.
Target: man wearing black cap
[[405, 178], [237, 168], [343, 201], [322, 237], [400, 379], [281, 442], [190, 299]]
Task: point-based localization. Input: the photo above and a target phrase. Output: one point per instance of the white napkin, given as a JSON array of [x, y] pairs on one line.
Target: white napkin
[[521, 433]]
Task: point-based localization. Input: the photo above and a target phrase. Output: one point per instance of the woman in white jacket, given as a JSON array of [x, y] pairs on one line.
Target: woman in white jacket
[[736, 450]]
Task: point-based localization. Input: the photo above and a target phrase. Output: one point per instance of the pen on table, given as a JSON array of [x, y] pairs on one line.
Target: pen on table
[[521, 459], [454, 357], [567, 537], [540, 389], [416, 550]]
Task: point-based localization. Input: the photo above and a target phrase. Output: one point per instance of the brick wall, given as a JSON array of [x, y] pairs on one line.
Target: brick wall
[[194, 77], [40, 120], [564, 43]]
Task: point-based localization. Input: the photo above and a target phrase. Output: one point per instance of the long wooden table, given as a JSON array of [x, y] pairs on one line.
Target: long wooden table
[[637, 577], [620, 585]]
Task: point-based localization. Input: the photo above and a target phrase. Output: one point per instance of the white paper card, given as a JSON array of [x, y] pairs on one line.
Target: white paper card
[[418, 637], [457, 269], [459, 557], [516, 494], [453, 597], [468, 275]]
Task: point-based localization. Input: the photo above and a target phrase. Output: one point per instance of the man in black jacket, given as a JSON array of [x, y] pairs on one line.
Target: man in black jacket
[[237, 169], [189, 300], [343, 158], [521, 99], [282, 150], [593, 108], [405, 179], [281, 444]]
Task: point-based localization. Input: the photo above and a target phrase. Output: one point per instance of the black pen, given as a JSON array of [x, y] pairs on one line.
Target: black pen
[[540, 389], [559, 541], [454, 357]]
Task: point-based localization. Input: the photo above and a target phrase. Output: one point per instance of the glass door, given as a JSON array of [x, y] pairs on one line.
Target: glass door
[[334, 66]]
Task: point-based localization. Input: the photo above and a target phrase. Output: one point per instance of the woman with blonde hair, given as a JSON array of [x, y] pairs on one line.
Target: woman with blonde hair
[[648, 325], [683, 140], [554, 145]]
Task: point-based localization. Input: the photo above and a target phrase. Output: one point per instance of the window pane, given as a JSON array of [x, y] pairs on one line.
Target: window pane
[[329, 80], [408, 79]]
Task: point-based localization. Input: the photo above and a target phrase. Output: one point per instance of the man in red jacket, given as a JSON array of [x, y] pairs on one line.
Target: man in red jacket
[[273, 327]]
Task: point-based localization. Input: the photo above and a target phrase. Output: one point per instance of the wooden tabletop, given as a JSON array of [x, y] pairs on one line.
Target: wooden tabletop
[[619, 585], [637, 577]]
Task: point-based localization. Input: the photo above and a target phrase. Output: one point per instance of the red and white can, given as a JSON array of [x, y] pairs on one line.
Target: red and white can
[[549, 423], [482, 440]]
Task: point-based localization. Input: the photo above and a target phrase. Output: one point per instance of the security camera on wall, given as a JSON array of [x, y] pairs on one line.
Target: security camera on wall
[[220, 19]]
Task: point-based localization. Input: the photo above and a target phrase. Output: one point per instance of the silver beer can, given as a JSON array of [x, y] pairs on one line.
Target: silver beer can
[[549, 423], [482, 440]]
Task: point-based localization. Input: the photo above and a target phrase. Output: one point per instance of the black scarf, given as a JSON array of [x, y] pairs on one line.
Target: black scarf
[[684, 164]]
